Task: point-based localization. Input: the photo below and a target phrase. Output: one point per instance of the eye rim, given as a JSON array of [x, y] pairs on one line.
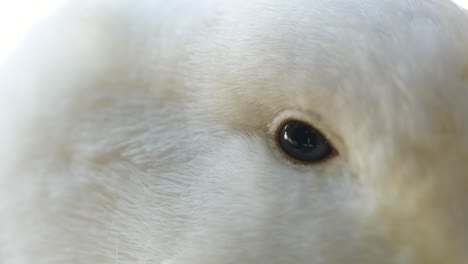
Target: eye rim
[[333, 150]]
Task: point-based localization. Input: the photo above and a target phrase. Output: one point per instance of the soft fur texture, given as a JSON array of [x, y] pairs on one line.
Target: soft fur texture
[[143, 132]]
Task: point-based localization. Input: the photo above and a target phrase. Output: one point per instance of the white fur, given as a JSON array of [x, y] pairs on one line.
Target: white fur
[[143, 132]]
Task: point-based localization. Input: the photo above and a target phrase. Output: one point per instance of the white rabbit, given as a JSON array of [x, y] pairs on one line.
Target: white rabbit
[[228, 132]]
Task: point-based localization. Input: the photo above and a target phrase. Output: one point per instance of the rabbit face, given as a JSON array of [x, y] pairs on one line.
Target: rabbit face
[[253, 132]]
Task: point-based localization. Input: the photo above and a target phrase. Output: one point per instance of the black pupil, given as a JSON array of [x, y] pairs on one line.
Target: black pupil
[[303, 142]]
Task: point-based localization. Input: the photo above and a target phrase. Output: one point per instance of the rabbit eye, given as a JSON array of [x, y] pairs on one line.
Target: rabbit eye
[[303, 142]]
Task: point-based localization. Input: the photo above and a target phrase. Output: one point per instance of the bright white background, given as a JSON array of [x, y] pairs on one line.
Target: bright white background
[[17, 15]]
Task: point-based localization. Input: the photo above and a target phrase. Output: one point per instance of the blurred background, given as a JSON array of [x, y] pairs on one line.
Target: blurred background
[[17, 15]]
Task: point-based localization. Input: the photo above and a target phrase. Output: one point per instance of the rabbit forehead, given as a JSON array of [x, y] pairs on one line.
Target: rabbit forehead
[[357, 64]]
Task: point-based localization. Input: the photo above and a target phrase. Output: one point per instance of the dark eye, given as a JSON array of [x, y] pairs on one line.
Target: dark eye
[[303, 142]]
